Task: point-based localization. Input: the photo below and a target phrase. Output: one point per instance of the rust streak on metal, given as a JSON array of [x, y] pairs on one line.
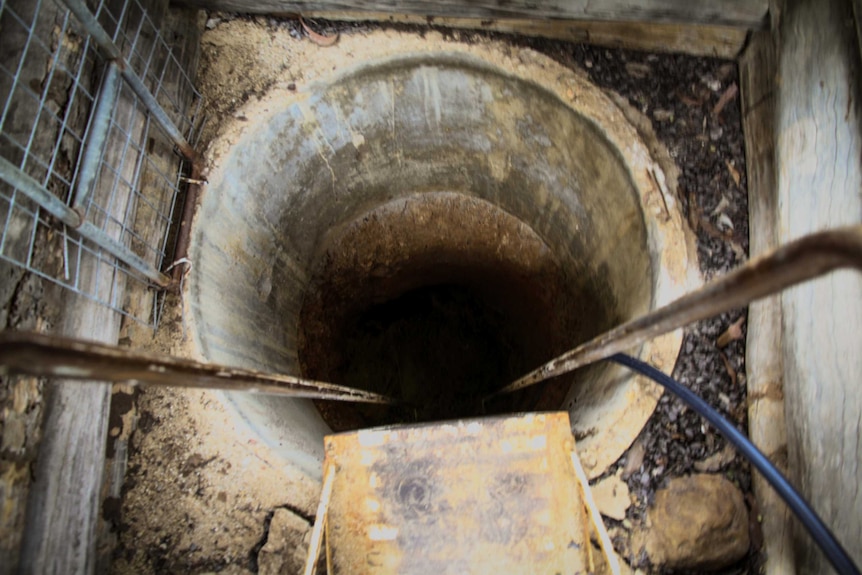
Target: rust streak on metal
[[184, 235], [796, 262], [188, 152], [490, 496], [41, 355]]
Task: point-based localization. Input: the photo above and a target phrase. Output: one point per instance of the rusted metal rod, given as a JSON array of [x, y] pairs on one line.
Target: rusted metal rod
[[181, 248], [801, 260], [26, 353]]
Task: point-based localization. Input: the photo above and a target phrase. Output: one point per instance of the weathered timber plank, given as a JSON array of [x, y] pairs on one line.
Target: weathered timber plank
[[63, 507], [27, 301], [181, 28], [766, 421], [741, 13], [818, 150], [61, 532], [699, 40]]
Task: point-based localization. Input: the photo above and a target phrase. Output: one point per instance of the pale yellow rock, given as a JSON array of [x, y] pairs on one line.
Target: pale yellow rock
[[697, 522], [286, 545], [612, 497]]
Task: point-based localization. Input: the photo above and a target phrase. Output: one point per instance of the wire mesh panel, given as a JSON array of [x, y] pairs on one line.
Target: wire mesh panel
[[90, 178], [45, 85], [154, 58]]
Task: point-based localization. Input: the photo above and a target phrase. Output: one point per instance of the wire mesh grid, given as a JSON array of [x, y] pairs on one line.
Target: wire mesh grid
[[43, 86], [135, 194], [154, 58], [93, 145]]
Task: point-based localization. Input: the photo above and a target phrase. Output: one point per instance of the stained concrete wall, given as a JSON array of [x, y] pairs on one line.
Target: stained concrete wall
[[324, 148]]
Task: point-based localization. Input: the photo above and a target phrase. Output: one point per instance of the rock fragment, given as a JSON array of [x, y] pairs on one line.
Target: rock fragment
[[286, 544], [612, 497], [696, 522]]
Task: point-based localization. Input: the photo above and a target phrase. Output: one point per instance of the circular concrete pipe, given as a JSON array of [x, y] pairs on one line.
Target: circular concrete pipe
[[431, 220]]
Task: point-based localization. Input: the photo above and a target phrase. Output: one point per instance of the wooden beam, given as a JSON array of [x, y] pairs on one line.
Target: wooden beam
[[699, 40], [819, 177], [748, 14], [63, 508], [764, 365], [61, 531], [21, 413]]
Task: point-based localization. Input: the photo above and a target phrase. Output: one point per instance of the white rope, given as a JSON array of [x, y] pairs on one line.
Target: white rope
[[604, 538], [319, 521]]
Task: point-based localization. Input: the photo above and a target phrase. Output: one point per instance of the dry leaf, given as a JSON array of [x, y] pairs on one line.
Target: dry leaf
[[638, 70], [724, 203], [730, 371], [634, 459], [734, 173], [713, 231], [732, 333], [725, 221], [318, 39], [737, 251], [694, 211], [725, 99], [689, 101], [717, 461]]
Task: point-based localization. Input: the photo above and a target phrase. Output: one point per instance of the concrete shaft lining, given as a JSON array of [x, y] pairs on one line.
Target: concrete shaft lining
[[513, 141]]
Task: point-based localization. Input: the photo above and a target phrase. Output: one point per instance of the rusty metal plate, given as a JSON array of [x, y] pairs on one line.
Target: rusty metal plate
[[495, 495]]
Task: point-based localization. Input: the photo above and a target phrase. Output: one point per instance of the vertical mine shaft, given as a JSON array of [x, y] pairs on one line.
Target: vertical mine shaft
[[430, 226]]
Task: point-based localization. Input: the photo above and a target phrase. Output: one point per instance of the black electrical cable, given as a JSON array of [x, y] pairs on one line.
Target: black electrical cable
[[821, 534]]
